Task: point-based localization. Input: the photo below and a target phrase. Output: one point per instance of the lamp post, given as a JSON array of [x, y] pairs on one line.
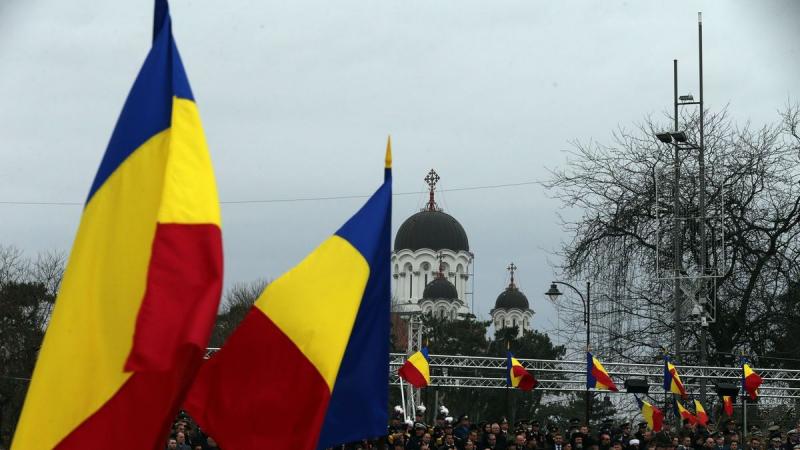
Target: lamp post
[[553, 293]]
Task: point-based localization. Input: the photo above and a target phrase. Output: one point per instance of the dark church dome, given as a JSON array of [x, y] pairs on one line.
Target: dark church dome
[[431, 229], [511, 298], [440, 288]]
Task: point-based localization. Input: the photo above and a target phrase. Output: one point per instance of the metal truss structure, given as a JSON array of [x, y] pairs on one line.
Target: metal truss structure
[[481, 372], [570, 376]]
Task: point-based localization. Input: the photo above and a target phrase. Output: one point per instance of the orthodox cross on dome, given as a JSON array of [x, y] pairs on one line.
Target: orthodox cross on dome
[[440, 257], [431, 178], [511, 269]]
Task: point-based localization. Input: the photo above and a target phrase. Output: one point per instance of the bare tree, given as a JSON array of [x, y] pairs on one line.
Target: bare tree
[[235, 306], [624, 235]]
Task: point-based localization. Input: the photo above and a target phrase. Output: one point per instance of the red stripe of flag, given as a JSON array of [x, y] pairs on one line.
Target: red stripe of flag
[[292, 400]]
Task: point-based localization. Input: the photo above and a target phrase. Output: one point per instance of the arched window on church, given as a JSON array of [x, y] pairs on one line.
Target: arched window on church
[[409, 271], [513, 322]]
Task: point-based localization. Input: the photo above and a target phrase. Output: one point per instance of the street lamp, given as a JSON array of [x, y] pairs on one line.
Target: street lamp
[[553, 293], [670, 137]]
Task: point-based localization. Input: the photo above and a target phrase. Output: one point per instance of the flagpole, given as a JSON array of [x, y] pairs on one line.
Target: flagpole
[[744, 413], [508, 401], [744, 396], [403, 400]]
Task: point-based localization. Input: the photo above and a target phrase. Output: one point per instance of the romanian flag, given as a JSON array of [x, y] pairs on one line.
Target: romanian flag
[[652, 415], [750, 381], [727, 405], [517, 376], [596, 375], [416, 369], [702, 417], [311, 356], [141, 289], [672, 381], [683, 413]]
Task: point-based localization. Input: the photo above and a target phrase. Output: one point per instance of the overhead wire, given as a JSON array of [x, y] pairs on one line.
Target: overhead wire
[[294, 199]]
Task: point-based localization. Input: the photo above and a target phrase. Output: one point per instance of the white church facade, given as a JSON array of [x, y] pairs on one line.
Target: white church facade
[[431, 269]]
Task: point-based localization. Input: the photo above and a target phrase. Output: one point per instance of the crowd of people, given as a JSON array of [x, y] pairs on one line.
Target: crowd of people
[[186, 435], [462, 434]]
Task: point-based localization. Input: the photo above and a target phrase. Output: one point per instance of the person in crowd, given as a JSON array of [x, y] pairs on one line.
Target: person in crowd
[[415, 441], [449, 443], [180, 438], [462, 430], [605, 441], [558, 442], [640, 431], [500, 437], [536, 434], [491, 442]]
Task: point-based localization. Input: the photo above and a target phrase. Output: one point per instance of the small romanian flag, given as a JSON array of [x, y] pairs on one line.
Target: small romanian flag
[[596, 375], [683, 413], [652, 415], [416, 369], [727, 405], [517, 376], [700, 412], [142, 286], [672, 381], [750, 381]]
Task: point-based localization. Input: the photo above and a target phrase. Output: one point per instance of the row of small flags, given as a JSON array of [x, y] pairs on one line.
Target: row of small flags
[[124, 349], [416, 371]]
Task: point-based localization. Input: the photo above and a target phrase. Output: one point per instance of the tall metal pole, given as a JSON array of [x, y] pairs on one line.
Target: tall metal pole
[[588, 345], [702, 228], [676, 226]]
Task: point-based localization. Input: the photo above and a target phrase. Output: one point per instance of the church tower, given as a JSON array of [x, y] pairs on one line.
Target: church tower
[[431, 262], [511, 308]]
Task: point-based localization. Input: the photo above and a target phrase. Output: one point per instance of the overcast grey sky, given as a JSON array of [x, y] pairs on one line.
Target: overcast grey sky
[[297, 98]]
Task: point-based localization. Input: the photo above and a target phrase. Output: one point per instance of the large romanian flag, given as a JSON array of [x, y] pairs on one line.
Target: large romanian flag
[[416, 369], [672, 381], [517, 376], [596, 375], [309, 365], [142, 286], [750, 381], [652, 415]]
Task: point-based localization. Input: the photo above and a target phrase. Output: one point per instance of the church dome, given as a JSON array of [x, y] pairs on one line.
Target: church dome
[[431, 229], [440, 288], [511, 298]]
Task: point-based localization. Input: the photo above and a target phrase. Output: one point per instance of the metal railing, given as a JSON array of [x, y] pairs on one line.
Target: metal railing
[[483, 372]]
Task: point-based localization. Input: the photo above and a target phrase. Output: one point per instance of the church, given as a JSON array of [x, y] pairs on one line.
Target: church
[[432, 269]]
